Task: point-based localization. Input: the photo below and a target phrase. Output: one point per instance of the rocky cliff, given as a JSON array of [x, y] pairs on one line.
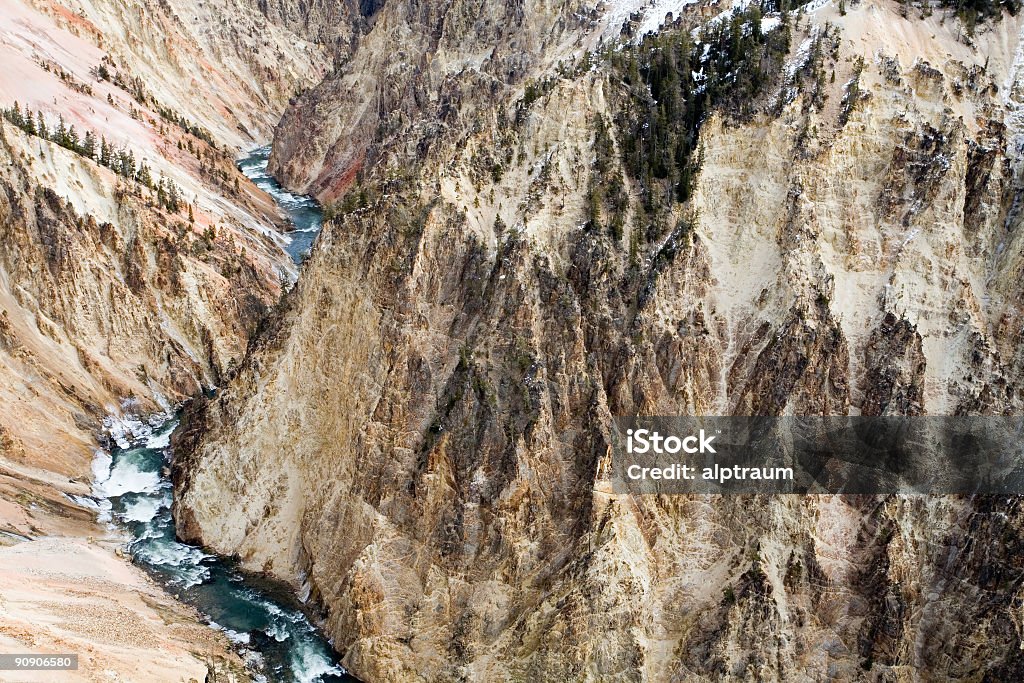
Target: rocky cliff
[[417, 437], [136, 261], [415, 72], [135, 264]]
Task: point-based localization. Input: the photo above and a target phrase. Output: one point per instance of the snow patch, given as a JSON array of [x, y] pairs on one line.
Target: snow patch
[[802, 55], [656, 15], [123, 429]]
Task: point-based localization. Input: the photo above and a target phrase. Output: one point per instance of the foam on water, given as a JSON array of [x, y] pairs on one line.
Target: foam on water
[[236, 637], [126, 477], [310, 666], [184, 560], [160, 439], [144, 509], [303, 212], [129, 485], [123, 429], [278, 632], [101, 464]]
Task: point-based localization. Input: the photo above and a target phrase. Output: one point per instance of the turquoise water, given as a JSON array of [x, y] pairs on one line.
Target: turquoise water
[[270, 630], [132, 489], [304, 212]]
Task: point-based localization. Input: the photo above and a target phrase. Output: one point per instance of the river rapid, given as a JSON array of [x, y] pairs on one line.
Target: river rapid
[[304, 212], [132, 491]]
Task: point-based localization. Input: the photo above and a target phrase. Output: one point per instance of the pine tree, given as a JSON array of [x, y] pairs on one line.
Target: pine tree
[[41, 129], [61, 136], [15, 116], [105, 152], [89, 145], [128, 165], [144, 176], [72, 139], [173, 197]]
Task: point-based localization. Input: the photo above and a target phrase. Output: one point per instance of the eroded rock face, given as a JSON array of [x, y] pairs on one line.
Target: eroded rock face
[[113, 300], [419, 433], [414, 70], [116, 300], [96, 312], [109, 299]]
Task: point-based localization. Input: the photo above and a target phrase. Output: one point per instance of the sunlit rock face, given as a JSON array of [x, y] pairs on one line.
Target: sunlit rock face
[[113, 297], [123, 290], [420, 431]]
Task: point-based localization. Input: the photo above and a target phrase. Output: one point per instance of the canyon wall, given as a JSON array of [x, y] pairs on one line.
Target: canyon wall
[[135, 263], [123, 289], [417, 437], [415, 71]]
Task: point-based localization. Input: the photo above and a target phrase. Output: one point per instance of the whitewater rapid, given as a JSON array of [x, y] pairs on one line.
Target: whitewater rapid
[[303, 212], [132, 491]]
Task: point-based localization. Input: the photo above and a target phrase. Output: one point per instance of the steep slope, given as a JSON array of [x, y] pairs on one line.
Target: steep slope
[[135, 264], [136, 259], [415, 72], [443, 378], [221, 64]]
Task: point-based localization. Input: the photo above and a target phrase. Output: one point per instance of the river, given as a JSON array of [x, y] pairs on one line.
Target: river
[[132, 490], [303, 212]]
